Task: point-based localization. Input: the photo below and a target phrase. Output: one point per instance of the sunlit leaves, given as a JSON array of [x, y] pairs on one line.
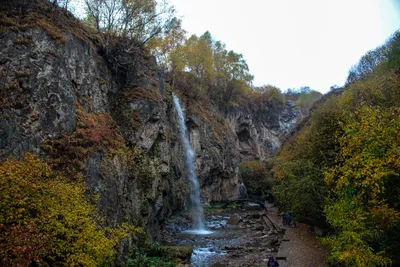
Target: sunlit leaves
[[220, 74], [369, 151]]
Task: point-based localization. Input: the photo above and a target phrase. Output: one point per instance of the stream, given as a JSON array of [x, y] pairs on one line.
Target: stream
[[236, 237]]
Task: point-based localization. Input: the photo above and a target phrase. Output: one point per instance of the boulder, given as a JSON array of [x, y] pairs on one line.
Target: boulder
[[235, 219]]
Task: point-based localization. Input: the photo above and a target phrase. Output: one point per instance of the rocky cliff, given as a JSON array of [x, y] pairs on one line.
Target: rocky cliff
[[115, 125], [262, 131], [112, 123]]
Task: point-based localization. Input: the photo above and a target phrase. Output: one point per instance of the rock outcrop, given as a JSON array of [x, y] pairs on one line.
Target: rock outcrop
[[261, 132], [52, 94], [112, 122]]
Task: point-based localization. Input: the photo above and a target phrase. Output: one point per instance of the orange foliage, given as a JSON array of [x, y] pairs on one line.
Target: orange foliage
[[95, 132]]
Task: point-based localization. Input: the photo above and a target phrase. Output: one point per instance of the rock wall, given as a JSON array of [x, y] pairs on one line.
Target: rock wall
[[113, 123], [52, 93], [261, 132]]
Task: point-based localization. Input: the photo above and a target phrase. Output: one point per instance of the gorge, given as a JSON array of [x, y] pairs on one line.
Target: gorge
[[125, 142], [110, 123]]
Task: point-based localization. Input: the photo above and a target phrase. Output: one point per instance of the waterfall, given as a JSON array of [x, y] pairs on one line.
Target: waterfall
[[197, 213]]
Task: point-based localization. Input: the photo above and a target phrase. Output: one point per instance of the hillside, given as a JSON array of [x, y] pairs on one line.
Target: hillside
[[342, 164]]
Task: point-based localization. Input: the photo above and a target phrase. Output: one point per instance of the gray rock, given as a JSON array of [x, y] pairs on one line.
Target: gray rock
[[261, 132]]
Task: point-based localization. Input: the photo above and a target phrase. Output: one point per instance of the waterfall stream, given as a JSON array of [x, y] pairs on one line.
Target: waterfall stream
[[189, 156]]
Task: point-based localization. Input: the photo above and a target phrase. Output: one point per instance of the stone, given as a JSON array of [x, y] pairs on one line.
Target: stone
[[260, 134], [259, 227], [234, 219]]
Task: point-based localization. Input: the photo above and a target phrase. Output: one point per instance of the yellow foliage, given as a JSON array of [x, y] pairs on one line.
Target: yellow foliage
[[369, 158], [56, 222]]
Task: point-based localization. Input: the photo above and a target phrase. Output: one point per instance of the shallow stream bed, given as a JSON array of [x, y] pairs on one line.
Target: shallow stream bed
[[236, 237]]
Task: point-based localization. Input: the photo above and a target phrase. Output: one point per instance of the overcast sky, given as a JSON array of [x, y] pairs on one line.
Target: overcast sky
[[294, 43]]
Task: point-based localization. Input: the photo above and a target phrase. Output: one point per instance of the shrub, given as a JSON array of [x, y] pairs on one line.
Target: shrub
[[44, 218], [256, 176]]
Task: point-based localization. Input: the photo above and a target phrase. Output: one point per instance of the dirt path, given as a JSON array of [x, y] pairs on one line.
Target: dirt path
[[299, 245]]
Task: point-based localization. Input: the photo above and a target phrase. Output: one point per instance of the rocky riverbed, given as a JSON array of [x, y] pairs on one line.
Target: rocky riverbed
[[244, 236]]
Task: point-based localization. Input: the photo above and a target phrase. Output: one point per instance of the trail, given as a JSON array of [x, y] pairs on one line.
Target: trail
[[299, 246]]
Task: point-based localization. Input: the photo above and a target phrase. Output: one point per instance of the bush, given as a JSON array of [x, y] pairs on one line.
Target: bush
[[43, 218], [256, 176]]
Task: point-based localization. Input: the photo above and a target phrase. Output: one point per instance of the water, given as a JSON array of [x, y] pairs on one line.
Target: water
[[197, 212], [202, 257]]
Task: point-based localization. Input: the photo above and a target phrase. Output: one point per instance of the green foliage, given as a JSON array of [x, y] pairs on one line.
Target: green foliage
[[364, 208], [388, 52], [304, 97], [153, 254], [302, 191], [343, 164], [306, 100], [256, 176], [299, 166], [46, 219], [168, 48], [143, 260], [393, 51]]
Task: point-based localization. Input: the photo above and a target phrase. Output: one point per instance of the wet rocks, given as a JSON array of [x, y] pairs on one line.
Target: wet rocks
[[245, 241]]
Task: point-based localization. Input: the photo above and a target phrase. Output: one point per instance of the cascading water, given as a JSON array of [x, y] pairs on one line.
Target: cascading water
[[198, 214]]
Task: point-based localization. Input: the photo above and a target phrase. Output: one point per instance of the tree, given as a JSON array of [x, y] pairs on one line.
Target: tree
[[256, 176], [45, 219], [167, 47], [223, 75], [199, 56], [137, 20], [363, 208]]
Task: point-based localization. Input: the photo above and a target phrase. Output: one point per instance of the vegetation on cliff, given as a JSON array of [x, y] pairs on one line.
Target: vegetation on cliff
[[201, 66], [50, 214], [343, 164], [46, 219]]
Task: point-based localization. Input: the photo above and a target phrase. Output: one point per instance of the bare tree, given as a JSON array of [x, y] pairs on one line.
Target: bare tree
[[135, 20]]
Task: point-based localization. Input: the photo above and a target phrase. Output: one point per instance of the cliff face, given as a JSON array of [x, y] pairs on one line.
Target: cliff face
[[262, 131], [113, 124]]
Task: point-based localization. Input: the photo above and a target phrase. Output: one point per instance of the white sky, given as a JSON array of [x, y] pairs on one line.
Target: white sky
[[294, 43]]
